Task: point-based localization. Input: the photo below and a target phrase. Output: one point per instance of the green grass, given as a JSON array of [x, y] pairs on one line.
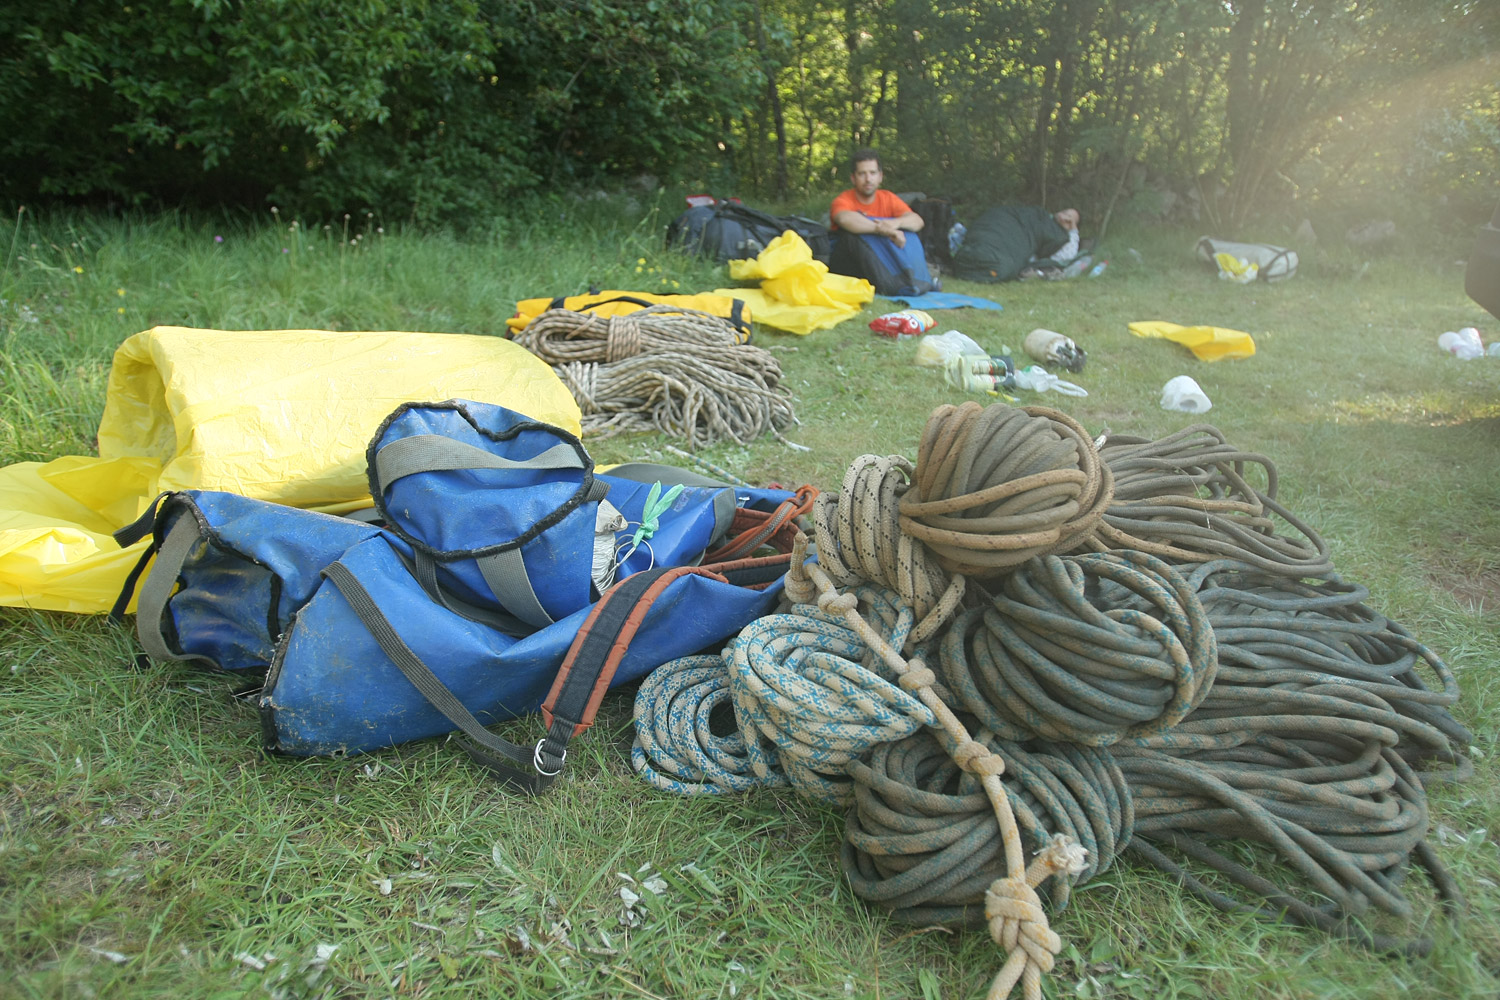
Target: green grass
[[148, 848]]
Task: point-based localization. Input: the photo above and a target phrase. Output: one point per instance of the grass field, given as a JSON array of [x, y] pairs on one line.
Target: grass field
[[148, 848]]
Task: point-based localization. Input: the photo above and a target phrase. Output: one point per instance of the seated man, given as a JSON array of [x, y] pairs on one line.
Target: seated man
[[875, 233], [1005, 241]]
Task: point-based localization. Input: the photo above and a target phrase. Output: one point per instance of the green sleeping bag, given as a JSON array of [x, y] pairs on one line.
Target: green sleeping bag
[[1003, 239]]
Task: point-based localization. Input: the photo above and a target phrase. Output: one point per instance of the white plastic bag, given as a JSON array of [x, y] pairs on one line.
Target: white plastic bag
[[1039, 379], [1464, 345], [936, 350]]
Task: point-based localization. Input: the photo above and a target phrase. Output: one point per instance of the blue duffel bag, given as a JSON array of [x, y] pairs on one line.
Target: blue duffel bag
[[374, 634]]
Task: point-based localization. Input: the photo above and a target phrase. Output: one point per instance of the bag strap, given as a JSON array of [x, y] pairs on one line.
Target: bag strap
[[570, 707], [435, 453], [760, 527], [171, 551]]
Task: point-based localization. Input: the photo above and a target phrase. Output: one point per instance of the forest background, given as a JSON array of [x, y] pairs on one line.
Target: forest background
[[454, 111]]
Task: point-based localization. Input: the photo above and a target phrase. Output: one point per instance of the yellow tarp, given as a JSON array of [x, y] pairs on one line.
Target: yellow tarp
[[280, 415], [797, 293], [618, 303], [1208, 343]]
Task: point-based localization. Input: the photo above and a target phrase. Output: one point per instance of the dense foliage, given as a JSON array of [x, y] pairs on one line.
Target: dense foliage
[[432, 108], [442, 109]]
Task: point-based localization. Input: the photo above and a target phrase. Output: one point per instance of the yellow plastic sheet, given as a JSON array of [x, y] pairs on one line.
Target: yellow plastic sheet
[[280, 415], [1208, 343], [797, 293]]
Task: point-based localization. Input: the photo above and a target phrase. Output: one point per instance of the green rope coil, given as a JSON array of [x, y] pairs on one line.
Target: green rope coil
[[1045, 660], [921, 840], [1186, 498], [1328, 797]]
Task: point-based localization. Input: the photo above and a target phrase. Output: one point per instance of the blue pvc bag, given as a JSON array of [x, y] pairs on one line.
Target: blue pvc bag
[[370, 643], [506, 512], [334, 688]]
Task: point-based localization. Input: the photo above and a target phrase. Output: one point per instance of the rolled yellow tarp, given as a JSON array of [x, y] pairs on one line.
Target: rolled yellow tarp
[[281, 415], [1208, 343]]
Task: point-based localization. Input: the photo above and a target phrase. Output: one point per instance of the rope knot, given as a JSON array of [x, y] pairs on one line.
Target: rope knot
[[917, 676], [837, 604], [623, 339], [976, 758], [1017, 920]]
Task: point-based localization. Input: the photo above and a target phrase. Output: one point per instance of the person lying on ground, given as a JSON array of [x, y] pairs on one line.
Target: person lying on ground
[[1005, 240]]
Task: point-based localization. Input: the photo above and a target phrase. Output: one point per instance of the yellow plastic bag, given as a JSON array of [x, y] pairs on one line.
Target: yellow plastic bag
[[1236, 269], [280, 415], [797, 293], [1208, 343]]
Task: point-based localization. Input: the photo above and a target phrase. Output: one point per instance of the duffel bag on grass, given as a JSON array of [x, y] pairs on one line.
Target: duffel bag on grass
[[1270, 263], [349, 615]]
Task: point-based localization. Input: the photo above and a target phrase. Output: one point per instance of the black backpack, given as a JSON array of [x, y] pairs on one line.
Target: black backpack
[[937, 219], [731, 231]]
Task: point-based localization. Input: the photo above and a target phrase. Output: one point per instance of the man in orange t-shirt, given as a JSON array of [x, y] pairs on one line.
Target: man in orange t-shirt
[[866, 208]]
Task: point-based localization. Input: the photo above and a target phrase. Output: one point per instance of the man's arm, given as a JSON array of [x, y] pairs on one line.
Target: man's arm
[[893, 229]]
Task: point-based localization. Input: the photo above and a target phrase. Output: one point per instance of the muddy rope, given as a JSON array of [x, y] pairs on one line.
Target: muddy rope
[[1042, 660]]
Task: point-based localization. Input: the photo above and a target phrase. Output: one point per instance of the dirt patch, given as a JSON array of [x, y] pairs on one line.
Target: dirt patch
[[1475, 590]]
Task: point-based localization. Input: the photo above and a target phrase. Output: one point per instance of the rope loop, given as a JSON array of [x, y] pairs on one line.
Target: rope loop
[[1045, 659], [995, 486]]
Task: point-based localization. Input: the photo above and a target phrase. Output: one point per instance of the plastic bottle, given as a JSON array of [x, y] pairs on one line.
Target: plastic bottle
[[1098, 269]]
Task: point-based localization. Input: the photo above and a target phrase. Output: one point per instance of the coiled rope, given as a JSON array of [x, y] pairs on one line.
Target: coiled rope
[[561, 336], [1316, 647], [922, 842], [664, 369], [1185, 498], [1042, 660], [1328, 795], [698, 394], [859, 539], [997, 485]]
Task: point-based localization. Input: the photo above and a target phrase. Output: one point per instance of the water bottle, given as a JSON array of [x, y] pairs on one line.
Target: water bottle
[[1098, 269]]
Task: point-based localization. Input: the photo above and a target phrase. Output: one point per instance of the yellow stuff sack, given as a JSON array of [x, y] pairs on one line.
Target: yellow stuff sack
[[281, 415], [617, 303]]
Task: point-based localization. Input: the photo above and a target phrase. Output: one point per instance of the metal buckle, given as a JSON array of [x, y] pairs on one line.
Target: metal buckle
[[536, 760]]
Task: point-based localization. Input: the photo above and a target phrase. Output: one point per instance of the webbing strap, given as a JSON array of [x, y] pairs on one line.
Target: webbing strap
[[424, 569], [521, 767], [601, 644], [435, 453], [159, 587], [505, 572]]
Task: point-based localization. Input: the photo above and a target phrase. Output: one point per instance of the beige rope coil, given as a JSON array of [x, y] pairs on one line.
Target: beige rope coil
[[859, 539], [701, 394], [1186, 497], [998, 485], [559, 336]]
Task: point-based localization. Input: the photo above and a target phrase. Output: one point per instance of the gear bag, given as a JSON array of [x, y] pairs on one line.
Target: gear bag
[[371, 636], [732, 231], [1272, 263]]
